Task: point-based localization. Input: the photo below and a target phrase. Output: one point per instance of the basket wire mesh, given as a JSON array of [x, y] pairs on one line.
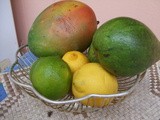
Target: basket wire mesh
[[19, 74]]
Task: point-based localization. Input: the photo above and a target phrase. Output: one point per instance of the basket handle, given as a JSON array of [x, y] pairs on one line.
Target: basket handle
[[20, 84], [77, 99], [11, 70], [85, 97], [16, 82]]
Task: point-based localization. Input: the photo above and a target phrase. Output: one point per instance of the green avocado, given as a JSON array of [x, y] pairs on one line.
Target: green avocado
[[124, 46]]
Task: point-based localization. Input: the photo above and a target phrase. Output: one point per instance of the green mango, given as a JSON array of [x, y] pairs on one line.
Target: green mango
[[61, 27], [124, 46], [91, 54]]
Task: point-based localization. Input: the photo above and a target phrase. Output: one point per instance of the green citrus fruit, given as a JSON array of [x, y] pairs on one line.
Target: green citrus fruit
[[51, 77]]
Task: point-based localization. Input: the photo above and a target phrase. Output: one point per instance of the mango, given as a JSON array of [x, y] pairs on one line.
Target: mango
[[124, 46], [63, 26]]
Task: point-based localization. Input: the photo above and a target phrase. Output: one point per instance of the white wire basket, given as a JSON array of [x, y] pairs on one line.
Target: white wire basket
[[19, 74]]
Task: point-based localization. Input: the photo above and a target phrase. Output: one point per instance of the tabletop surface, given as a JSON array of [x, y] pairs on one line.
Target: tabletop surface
[[142, 104]]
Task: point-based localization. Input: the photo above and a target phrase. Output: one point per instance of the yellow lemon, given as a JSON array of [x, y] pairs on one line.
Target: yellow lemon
[[75, 60], [91, 78]]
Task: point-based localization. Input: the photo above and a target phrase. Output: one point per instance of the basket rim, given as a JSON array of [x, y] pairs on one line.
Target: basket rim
[[120, 94]]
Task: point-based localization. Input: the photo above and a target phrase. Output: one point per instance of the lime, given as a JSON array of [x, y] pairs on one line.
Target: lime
[[51, 77]]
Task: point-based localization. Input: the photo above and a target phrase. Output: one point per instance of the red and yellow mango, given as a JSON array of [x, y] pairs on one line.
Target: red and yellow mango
[[62, 27]]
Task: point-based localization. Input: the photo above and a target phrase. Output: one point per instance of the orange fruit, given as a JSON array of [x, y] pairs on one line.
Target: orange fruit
[[51, 77]]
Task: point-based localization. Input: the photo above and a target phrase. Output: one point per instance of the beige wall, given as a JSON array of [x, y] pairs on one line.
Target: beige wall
[[147, 11]]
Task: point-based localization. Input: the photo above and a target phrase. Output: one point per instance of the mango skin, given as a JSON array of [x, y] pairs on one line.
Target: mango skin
[[62, 27], [124, 47]]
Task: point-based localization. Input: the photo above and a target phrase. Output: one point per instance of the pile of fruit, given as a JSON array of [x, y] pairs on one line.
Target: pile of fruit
[[121, 47]]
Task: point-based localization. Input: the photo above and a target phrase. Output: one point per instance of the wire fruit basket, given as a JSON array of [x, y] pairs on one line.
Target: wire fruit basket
[[19, 74]]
